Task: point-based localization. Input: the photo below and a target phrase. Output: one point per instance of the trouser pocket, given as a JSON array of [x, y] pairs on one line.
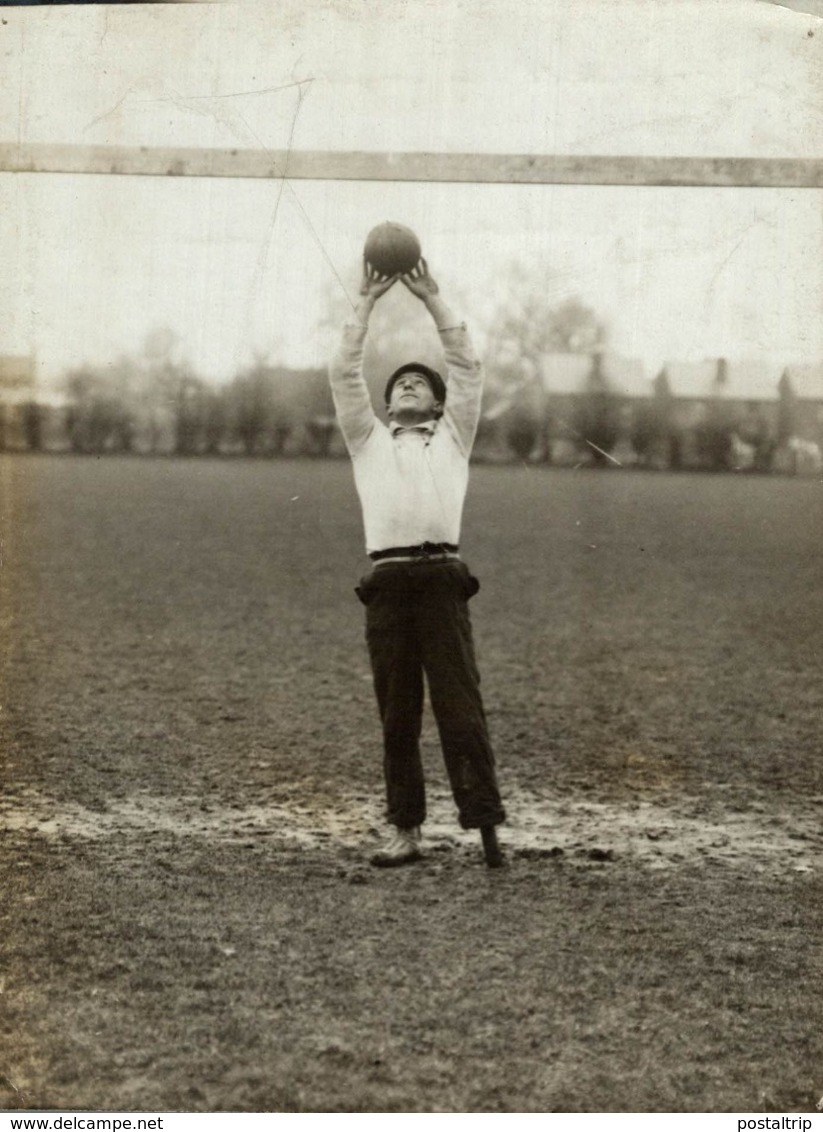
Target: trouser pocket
[[471, 586], [365, 589]]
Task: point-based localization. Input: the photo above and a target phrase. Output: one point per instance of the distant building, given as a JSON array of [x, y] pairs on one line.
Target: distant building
[[761, 410], [722, 413], [714, 413], [590, 404], [17, 378], [801, 397], [800, 419], [18, 426]]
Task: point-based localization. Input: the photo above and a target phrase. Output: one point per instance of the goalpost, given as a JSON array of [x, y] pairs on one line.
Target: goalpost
[[476, 168]]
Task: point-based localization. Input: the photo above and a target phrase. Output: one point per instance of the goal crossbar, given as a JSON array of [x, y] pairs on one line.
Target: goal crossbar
[[473, 168]]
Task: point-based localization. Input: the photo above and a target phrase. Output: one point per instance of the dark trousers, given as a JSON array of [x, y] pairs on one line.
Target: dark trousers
[[417, 621]]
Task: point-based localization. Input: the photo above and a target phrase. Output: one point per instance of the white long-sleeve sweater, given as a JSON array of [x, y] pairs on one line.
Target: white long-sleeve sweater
[[411, 487]]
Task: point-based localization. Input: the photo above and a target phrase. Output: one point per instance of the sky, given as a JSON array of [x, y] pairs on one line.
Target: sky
[[94, 264]]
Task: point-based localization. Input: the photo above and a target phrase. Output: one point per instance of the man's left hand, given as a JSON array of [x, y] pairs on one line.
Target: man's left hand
[[420, 282]]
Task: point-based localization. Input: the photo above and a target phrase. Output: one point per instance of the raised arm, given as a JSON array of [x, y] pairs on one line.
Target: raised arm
[[464, 375], [350, 393]]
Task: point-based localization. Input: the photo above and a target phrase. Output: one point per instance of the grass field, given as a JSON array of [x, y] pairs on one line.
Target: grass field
[[191, 784]]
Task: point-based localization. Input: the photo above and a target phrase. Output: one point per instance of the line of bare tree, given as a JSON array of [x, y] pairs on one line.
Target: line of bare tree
[[155, 403]]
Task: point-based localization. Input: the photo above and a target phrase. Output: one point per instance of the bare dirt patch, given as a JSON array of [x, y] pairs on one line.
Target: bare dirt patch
[[643, 833]]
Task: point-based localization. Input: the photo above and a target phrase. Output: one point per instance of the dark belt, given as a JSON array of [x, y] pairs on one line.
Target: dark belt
[[423, 550]]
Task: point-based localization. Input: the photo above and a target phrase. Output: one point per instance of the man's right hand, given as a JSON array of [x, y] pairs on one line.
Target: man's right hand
[[373, 284]]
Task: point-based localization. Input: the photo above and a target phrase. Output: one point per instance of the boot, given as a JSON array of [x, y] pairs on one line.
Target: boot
[[402, 848], [491, 849]]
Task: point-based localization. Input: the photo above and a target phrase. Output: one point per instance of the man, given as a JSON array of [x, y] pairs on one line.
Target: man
[[411, 478]]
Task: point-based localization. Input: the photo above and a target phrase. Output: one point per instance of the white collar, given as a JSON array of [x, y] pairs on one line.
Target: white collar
[[425, 427]]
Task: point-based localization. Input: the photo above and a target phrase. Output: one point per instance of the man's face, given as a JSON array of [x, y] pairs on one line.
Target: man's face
[[412, 399]]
